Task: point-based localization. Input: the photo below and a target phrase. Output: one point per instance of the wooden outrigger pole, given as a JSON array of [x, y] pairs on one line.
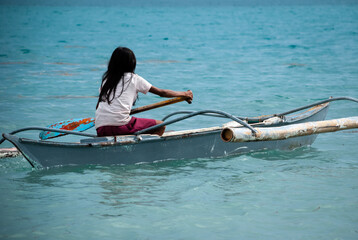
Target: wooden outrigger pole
[[289, 131]]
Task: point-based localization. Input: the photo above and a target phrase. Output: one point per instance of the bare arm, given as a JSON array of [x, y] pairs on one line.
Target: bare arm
[[170, 93]]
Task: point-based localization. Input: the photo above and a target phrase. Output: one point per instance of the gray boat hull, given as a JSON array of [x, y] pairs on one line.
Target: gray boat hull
[[206, 144]]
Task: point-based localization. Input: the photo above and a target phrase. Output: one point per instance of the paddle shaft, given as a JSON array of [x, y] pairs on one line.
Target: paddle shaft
[[157, 105], [73, 125]]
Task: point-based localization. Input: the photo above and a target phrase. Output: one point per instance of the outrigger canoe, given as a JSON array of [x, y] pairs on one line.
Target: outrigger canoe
[[242, 135]]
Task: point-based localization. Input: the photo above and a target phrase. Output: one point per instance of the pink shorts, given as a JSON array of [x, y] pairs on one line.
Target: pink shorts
[[134, 125]]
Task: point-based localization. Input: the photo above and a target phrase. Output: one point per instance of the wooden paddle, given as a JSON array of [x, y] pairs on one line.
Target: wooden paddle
[[82, 124], [157, 105]]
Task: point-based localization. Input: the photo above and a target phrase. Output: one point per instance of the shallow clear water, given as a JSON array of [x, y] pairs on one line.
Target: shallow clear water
[[245, 60]]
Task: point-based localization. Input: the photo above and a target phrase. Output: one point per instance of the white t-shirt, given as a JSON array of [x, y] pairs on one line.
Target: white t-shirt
[[117, 113]]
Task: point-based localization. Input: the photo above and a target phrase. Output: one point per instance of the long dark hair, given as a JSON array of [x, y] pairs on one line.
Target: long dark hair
[[122, 60]]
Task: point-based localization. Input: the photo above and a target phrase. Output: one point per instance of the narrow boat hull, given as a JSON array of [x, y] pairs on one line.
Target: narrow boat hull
[[198, 146], [201, 144]]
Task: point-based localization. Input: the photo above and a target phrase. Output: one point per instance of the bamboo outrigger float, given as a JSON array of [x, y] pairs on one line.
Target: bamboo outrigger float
[[242, 135], [284, 132]]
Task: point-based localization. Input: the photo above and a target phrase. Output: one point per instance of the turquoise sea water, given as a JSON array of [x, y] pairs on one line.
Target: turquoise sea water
[[245, 59]]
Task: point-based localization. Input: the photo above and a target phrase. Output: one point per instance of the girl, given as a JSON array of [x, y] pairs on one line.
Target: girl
[[118, 92]]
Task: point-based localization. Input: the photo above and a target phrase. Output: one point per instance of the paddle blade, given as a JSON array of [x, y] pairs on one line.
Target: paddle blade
[[78, 125]]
